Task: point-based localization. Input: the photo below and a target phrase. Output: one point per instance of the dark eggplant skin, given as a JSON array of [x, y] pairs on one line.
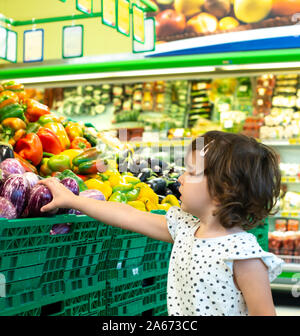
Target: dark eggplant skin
[[158, 185], [90, 193], [174, 187], [39, 196], [145, 174], [60, 229], [6, 152], [71, 184], [7, 209], [16, 189]]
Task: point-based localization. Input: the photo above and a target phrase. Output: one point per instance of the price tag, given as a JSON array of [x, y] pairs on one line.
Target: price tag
[[292, 179], [138, 24], [3, 36], [284, 179], [72, 41], [119, 265], [109, 12], [33, 45], [150, 38], [11, 49], [123, 17], [292, 141], [284, 214], [84, 6], [295, 214]]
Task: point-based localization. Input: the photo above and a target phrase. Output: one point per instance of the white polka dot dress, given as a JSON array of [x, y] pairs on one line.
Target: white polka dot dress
[[200, 279]]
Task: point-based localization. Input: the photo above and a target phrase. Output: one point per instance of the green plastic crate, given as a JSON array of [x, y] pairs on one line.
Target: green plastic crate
[[32, 233], [160, 311], [261, 234], [156, 266], [133, 307]]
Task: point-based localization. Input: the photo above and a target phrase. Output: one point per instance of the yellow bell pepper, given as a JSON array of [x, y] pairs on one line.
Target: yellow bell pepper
[[171, 199], [137, 205], [147, 192], [149, 204], [71, 153], [165, 206], [131, 179], [116, 179], [104, 187]]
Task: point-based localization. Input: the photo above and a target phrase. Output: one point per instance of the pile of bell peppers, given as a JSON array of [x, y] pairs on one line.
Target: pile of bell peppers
[[55, 146]]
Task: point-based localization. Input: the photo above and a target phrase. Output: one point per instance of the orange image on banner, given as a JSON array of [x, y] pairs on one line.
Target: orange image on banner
[[123, 16], [138, 24], [85, 6], [109, 12]]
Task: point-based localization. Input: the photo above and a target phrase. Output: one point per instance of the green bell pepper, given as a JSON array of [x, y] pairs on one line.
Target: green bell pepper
[[45, 119], [132, 195], [118, 196], [59, 163], [125, 187], [32, 128], [12, 111]]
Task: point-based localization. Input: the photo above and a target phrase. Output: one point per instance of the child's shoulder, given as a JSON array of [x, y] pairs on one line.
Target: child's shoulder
[[177, 214]]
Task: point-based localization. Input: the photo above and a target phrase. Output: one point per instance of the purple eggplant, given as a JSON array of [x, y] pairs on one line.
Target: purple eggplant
[[71, 184], [60, 229], [39, 196], [32, 178], [7, 209], [11, 166], [16, 189], [91, 193]]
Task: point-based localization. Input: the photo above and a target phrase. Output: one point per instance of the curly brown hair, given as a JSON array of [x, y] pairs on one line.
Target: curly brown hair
[[243, 176]]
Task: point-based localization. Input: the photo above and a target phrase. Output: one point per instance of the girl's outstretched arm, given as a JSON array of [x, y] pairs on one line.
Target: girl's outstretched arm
[[111, 213]]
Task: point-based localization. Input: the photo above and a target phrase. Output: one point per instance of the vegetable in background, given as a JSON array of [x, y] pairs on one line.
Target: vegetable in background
[[91, 193], [39, 196], [80, 143], [16, 189], [171, 199], [6, 152], [12, 111], [7, 209], [59, 130], [86, 156], [50, 141], [60, 229], [31, 178], [118, 196], [8, 98], [30, 148], [71, 184], [58, 163], [68, 173], [158, 185], [35, 110], [25, 164], [12, 86], [104, 187], [92, 167], [74, 130], [137, 205], [11, 166]]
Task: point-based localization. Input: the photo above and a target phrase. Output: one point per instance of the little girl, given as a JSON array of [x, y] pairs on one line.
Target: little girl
[[216, 267]]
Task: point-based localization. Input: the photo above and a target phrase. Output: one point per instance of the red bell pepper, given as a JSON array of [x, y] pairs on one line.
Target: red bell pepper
[[80, 143], [50, 141], [35, 109], [30, 148]]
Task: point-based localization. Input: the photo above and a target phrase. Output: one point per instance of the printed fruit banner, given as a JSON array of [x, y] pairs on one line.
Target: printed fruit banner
[[182, 19]]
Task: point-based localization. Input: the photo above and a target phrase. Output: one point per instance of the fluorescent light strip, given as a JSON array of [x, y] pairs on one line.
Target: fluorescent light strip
[[260, 66], [115, 74]]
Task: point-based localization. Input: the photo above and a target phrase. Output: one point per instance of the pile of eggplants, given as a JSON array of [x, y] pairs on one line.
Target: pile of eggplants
[[21, 196]]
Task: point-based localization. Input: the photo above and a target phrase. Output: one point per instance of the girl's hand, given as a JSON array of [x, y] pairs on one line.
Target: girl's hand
[[62, 196]]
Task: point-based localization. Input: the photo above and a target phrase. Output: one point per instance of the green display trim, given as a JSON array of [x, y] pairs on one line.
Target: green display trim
[[295, 275], [117, 18], [151, 6], [220, 59], [53, 19], [154, 37], [108, 23], [80, 9], [133, 35], [9, 30], [63, 42]]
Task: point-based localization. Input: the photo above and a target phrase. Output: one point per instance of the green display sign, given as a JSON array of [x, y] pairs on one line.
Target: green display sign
[[138, 26], [72, 41], [109, 12], [85, 6], [123, 17]]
